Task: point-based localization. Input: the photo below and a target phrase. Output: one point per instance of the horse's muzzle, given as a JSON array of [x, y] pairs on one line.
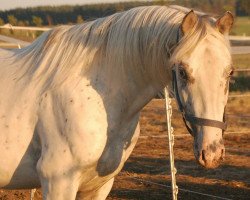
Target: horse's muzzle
[[210, 158]]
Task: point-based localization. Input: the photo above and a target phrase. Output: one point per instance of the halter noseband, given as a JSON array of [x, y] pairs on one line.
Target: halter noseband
[[192, 119]]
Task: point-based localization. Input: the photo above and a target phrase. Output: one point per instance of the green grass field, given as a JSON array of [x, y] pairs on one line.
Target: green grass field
[[241, 26]]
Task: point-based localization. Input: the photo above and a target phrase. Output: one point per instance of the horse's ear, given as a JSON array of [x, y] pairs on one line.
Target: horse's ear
[[188, 22], [225, 23]]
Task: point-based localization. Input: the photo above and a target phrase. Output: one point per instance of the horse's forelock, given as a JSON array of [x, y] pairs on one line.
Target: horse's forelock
[[200, 31]]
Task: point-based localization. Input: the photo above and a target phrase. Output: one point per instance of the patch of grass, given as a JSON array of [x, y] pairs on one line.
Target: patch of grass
[[241, 26], [241, 61]]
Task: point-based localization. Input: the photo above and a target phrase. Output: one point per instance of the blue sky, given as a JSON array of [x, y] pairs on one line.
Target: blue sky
[[10, 4]]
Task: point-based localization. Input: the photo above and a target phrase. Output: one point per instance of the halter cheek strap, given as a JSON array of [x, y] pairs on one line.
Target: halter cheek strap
[[192, 119]]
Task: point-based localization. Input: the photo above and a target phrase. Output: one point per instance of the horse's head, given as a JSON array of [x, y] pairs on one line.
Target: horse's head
[[201, 72]]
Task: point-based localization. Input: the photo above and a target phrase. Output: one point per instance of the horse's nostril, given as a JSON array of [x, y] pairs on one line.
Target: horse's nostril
[[222, 154], [203, 155]]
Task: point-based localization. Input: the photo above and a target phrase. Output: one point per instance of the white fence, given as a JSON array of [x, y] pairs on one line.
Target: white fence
[[235, 49], [9, 26]]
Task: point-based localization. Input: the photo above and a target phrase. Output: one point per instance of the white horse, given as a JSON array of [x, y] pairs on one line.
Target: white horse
[[70, 101]]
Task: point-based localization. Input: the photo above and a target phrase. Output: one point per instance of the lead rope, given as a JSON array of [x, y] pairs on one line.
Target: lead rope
[[171, 143]]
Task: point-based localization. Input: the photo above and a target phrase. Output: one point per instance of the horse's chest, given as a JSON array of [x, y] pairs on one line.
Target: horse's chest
[[120, 143]]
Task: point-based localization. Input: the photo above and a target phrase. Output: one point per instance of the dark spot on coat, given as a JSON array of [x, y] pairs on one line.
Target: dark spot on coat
[[213, 146], [45, 95], [66, 120]]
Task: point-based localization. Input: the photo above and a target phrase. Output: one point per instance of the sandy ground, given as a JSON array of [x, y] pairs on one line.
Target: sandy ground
[[146, 175]]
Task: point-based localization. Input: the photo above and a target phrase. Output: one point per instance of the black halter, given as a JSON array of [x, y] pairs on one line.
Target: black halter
[[192, 119]]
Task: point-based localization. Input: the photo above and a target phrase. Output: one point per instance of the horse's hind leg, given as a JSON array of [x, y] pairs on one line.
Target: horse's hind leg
[[100, 194]]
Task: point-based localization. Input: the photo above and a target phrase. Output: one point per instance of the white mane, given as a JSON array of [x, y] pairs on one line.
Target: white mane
[[137, 40]]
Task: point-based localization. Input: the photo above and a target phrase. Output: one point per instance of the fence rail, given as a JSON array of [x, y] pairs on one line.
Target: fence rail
[[242, 70], [30, 28]]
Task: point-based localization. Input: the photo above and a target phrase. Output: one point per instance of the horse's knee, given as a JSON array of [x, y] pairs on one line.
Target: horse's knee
[[58, 184], [59, 188]]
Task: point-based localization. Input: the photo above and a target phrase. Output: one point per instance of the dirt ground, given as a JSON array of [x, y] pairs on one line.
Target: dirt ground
[[146, 175]]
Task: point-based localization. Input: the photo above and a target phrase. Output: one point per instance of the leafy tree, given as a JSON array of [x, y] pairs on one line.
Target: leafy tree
[[49, 20], [245, 6], [37, 21], [1, 22], [21, 23], [26, 23], [12, 20], [119, 7], [79, 19], [48, 15]]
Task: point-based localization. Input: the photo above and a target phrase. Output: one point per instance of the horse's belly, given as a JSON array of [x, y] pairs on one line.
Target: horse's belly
[[18, 161], [23, 177]]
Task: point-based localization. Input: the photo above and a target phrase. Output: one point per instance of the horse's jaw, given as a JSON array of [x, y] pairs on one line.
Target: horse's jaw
[[209, 148]]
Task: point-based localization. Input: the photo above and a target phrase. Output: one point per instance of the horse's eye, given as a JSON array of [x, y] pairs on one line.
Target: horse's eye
[[183, 74]]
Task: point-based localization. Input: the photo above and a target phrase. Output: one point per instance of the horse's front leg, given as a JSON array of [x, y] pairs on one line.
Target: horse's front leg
[[58, 188], [58, 172], [57, 183]]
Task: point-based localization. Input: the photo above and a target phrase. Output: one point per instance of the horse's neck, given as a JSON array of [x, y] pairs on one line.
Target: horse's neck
[[141, 92], [128, 93]]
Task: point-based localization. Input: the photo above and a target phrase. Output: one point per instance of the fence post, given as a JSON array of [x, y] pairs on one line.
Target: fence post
[[171, 143]]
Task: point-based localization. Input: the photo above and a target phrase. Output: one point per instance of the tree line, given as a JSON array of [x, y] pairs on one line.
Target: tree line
[[53, 15]]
